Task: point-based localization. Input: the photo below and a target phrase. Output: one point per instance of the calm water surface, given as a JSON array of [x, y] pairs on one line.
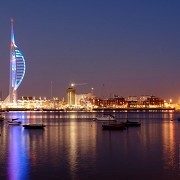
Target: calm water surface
[[73, 146]]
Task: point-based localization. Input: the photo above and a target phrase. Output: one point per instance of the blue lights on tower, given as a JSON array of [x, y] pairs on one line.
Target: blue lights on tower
[[20, 67], [17, 69]]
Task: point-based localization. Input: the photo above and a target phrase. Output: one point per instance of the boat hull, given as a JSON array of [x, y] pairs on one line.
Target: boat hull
[[113, 127], [105, 120], [132, 124], [34, 126], [14, 123]]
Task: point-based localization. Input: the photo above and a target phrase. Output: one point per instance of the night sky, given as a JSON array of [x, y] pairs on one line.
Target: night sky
[[123, 47]]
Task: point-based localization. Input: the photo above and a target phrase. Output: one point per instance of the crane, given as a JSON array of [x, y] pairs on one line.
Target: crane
[[79, 84]]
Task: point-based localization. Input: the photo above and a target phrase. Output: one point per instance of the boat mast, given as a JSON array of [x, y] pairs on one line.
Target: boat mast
[[51, 89]]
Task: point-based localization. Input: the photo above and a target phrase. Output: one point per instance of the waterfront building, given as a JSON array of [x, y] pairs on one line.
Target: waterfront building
[[17, 70], [155, 101], [132, 98], [71, 91], [82, 99], [114, 102], [117, 101], [31, 102], [76, 101], [150, 102], [144, 97], [132, 101]]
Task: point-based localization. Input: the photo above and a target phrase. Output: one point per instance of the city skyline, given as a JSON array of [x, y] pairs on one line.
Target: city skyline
[[120, 47]]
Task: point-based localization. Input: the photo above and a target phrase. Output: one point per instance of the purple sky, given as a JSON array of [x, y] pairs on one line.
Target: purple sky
[[132, 47]]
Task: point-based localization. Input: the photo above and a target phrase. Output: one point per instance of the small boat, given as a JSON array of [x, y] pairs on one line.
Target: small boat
[[33, 126], [119, 126], [14, 122], [14, 119], [107, 117], [131, 123]]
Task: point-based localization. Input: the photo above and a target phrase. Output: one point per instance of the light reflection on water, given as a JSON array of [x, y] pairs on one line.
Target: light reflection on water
[[18, 154], [73, 146]]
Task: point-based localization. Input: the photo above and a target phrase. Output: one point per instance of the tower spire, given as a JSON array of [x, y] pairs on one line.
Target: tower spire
[[12, 31], [17, 68], [12, 92]]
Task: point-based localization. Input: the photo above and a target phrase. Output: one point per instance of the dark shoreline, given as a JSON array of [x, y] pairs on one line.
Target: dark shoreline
[[95, 109], [134, 109]]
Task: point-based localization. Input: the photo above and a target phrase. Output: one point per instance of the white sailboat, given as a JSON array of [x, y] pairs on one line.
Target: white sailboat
[[14, 121], [105, 117]]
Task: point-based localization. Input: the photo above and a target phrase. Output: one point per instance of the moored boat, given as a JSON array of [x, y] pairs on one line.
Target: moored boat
[[14, 119], [104, 117], [14, 122], [132, 123], [33, 126], [119, 126]]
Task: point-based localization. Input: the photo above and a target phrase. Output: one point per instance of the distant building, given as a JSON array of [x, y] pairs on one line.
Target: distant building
[[119, 101], [132, 101], [132, 98], [154, 101], [71, 96], [144, 97], [150, 101], [83, 99], [116, 101]]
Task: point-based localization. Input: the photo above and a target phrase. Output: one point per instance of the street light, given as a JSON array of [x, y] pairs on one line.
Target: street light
[[92, 90]]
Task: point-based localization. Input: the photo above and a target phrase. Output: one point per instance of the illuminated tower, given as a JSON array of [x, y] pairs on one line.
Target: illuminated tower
[[71, 96], [17, 69]]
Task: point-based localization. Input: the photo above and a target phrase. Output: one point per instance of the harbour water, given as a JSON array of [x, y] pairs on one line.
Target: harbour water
[[73, 146]]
